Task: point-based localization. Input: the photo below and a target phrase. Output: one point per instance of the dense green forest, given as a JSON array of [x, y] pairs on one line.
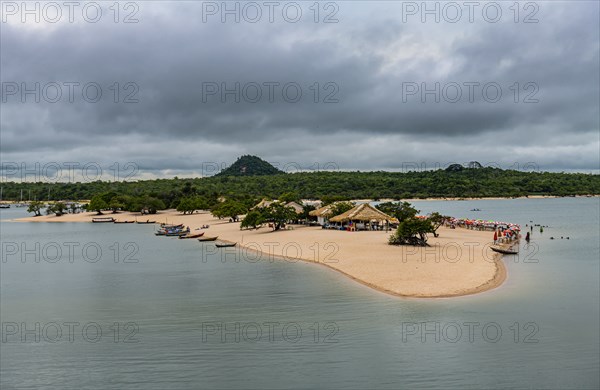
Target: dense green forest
[[466, 182]]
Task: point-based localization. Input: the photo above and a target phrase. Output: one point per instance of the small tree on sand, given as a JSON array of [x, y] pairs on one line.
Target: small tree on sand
[[253, 219], [278, 214], [412, 231], [57, 208], [35, 207], [97, 204]]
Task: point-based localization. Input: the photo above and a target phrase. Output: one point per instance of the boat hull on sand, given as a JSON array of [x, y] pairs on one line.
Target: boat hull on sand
[[226, 245], [504, 251], [192, 235], [208, 239]]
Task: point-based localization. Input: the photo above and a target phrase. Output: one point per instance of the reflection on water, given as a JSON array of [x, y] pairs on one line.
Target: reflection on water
[[111, 306]]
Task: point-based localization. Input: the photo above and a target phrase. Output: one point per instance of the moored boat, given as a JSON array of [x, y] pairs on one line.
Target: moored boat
[[208, 238], [167, 226], [123, 221], [145, 222], [175, 234], [226, 245], [195, 235], [103, 220], [504, 251]]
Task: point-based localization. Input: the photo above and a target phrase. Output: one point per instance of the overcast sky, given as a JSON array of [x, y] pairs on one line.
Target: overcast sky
[[361, 80]]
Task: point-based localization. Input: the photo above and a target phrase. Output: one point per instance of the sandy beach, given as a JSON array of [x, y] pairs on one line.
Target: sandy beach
[[458, 262]]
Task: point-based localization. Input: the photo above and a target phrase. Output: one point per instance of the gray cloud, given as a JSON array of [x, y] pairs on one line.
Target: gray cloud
[[370, 56]]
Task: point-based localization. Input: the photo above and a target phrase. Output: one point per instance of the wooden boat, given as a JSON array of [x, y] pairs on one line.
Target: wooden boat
[[167, 226], [142, 222], [504, 251], [169, 234], [208, 238], [194, 235], [103, 220], [123, 221], [226, 245], [176, 234]]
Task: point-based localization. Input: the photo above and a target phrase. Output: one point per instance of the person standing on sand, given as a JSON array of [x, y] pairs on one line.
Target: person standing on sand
[[495, 236], [527, 237]]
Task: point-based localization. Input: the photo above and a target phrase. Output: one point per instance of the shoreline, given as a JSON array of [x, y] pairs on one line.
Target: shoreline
[[14, 202], [364, 257]]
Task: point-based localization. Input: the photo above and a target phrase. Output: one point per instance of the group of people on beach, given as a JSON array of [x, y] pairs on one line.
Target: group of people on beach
[[506, 234]]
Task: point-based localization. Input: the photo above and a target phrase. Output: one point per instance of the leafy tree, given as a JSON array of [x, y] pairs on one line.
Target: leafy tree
[[35, 207], [57, 208], [73, 208], [436, 219], [412, 231], [278, 214], [341, 207], [186, 205], [399, 210], [191, 204], [329, 199], [229, 209], [289, 197], [306, 209], [116, 203], [151, 205], [253, 219], [97, 204]]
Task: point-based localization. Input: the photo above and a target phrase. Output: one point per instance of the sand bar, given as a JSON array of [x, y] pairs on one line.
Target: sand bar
[[459, 262]]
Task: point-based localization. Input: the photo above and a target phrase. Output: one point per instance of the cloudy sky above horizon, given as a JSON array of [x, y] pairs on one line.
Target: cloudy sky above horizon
[[352, 85]]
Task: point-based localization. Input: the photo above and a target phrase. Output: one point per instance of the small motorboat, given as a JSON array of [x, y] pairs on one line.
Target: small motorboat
[[504, 251], [177, 234], [167, 226], [226, 245], [195, 235], [208, 238]]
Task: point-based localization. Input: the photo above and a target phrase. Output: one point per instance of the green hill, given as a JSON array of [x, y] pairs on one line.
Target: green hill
[[250, 166]]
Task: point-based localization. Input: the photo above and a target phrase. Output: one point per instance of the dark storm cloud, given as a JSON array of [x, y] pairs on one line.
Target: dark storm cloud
[[371, 56]]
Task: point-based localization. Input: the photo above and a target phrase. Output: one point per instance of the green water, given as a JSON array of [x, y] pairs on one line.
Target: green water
[[159, 304]]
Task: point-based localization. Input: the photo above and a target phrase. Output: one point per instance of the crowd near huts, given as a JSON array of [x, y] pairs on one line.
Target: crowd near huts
[[503, 231], [364, 216]]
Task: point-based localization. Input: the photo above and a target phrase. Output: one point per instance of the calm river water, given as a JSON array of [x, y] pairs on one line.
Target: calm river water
[[95, 306]]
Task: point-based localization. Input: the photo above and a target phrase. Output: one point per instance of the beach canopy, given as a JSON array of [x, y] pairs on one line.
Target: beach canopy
[[362, 212]]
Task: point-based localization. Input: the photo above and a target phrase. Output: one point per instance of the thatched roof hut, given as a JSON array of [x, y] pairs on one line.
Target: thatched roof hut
[[263, 203], [364, 213], [296, 206], [321, 211]]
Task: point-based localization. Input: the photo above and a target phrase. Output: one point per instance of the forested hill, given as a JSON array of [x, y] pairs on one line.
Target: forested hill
[[250, 166], [468, 182]]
